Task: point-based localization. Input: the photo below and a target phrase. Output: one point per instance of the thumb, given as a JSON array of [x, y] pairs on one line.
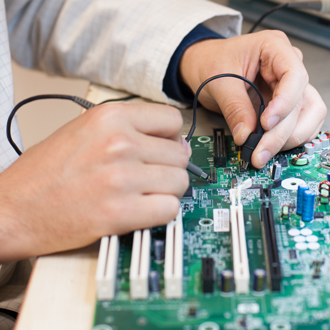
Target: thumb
[[236, 107]]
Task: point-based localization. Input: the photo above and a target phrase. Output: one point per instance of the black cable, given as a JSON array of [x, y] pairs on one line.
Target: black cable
[[224, 75], [126, 98], [87, 105], [270, 11], [254, 138], [84, 103]]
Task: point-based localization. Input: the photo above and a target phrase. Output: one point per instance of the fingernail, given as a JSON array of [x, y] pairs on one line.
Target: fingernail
[[186, 145], [263, 157], [238, 133], [272, 121]]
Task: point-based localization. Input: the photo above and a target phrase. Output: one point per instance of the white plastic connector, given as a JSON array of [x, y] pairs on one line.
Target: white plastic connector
[[240, 257], [174, 258], [106, 272], [140, 265]]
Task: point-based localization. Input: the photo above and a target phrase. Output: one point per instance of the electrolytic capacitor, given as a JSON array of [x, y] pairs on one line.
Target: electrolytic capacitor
[[301, 189], [309, 148], [159, 250], [317, 144], [308, 205], [259, 279], [325, 140], [227, 280], [154, 281], [328, 176]]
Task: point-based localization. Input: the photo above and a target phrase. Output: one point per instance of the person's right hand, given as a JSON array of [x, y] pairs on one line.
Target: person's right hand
[[114, 169]]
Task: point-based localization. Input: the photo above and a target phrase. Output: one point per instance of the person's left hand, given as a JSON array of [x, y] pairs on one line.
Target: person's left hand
[[294, 111]]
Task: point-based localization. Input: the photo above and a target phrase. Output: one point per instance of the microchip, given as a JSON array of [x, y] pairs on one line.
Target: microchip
[[188, 193], [192, 311], [292, 254], [318, 215], [283, 161]]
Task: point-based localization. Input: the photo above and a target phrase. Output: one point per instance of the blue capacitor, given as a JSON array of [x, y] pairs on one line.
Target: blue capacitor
[[328, 176], [301, 189], [308, 205]]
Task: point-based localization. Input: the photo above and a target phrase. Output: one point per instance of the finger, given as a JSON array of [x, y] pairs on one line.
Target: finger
[[273, 141], [147, 149], [153, 119], [299, 53], [159, 179], [310, 119], [146, 211], [283, 70], [134, 177], [236, 107]]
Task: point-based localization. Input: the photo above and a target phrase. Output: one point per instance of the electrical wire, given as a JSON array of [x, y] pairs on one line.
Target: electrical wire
[[126, 98], [267, 13], [78, 100], [224, 75]]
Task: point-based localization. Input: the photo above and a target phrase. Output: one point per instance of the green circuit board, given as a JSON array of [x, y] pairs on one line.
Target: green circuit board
[[303, 300]]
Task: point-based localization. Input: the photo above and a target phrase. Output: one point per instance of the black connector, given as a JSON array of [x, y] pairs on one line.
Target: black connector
[[220, 153], [208, 275], [253, 139], [249, 146], [271, 250]]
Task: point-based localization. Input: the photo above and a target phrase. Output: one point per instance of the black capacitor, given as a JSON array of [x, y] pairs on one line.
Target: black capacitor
[[259, 279], [158, 250], [154, 282], [227, 280]]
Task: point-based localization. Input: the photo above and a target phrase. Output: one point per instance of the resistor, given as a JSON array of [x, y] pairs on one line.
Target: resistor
[[301, 189], [308, 205]]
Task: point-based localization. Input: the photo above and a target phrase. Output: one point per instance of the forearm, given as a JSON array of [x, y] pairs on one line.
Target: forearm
[[93, 39]]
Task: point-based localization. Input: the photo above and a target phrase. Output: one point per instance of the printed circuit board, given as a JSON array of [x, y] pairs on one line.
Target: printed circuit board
[[238, 256]]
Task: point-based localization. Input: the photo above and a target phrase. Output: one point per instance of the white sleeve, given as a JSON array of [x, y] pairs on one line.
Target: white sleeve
[[124, 44]]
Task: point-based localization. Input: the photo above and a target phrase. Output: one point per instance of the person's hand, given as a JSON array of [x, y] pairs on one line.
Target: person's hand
[[114, 169], [295, 112]]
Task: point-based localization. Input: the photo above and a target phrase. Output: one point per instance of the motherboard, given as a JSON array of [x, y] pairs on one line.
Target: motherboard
[[249, 249]]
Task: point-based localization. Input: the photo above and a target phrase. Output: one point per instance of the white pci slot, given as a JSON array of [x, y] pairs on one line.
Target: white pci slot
[[140, 264], [174, 258], [240, 256], [106, 272]]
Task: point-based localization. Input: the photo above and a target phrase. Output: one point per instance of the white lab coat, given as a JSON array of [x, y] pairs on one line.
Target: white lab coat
[[125, 44]]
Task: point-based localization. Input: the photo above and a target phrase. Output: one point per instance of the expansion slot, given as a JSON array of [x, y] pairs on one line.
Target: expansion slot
[[107, 268], [240, 256], [174, 258], [271, 251], [140, 264], [220, 153]]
